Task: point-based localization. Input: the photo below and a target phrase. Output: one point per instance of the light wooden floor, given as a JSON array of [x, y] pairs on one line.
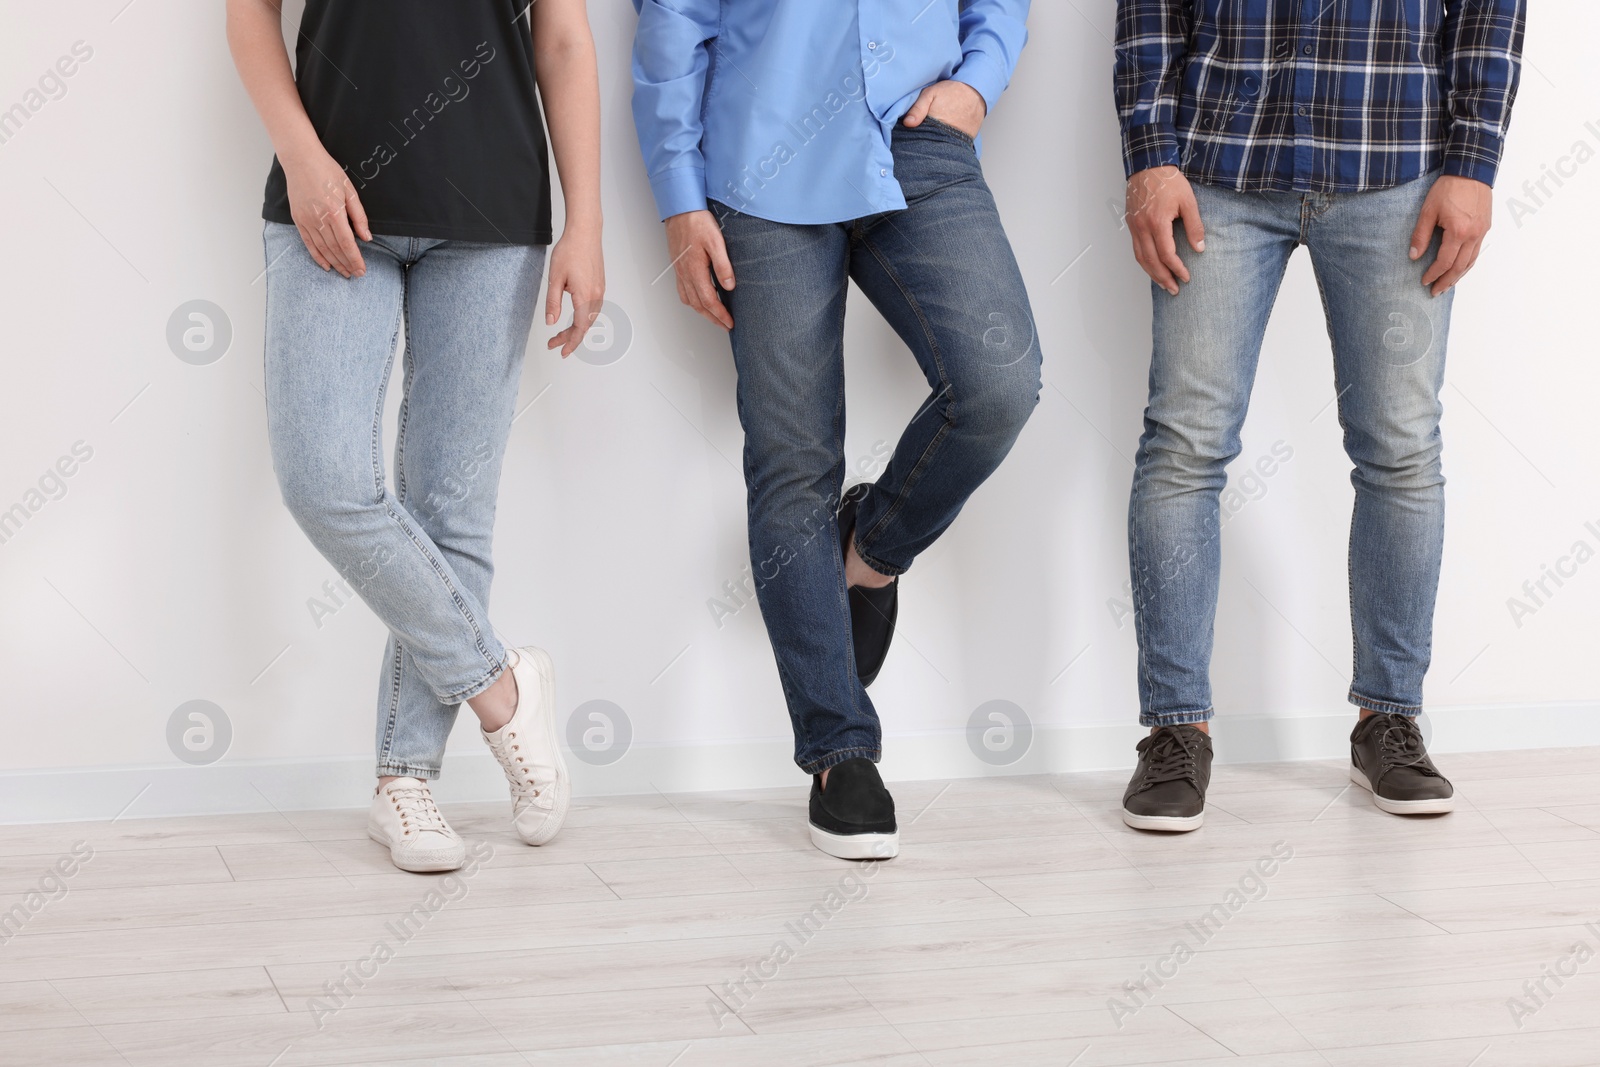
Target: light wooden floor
[[1018, 908]]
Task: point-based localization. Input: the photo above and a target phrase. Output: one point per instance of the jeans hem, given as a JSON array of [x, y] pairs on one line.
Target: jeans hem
[[466, 693], [407, 770], [886, 569], [1175, 718], [1410, 711], [833, 759]]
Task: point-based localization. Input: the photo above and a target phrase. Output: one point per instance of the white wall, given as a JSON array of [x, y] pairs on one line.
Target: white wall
[[169, 571]]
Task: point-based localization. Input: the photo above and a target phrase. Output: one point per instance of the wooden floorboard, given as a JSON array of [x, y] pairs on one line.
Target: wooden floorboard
[[1021, 924]]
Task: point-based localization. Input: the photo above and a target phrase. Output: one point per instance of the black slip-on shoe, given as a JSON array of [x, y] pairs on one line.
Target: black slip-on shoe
[[1168, 789], [872, 611], [854, 818], [1389, 760]]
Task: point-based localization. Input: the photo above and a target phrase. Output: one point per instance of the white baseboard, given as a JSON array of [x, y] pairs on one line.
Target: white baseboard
[[100, 793]]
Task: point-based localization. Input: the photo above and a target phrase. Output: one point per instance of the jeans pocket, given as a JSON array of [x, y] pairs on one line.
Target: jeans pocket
[[942, 126]]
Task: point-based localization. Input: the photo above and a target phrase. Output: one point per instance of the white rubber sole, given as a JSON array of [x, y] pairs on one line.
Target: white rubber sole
[[421, 862], [546, 669], [856, 846], [1172, 823], [1438, 806]]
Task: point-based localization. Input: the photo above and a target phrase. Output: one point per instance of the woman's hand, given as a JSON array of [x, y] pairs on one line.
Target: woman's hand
[[327, 212], [322, 201], [578, 269]]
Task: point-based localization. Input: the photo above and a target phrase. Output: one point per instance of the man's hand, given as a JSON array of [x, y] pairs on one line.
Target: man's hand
[[1463, 208], [1156, 197], [694, 240], [952, 103]]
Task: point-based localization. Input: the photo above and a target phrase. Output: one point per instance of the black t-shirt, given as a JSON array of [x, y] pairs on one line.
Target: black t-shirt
[[430, 107]]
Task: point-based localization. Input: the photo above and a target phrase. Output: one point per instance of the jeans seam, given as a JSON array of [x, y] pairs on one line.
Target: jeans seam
[[376, 443], [391, 720], [376, 446], [455, 594], [841, 583], [1146, 689], [948, 387], [409, 369], [400, 523]]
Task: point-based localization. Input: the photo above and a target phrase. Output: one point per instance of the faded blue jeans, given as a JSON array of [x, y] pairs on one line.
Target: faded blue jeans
[[1388, 336], [418, 554], [942, 273]]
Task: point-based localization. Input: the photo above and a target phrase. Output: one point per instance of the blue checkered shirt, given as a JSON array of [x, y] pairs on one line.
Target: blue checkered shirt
[[1317, 95]]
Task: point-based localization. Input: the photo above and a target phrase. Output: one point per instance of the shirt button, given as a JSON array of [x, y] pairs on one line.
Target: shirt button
[[872, 45], [883, 174], [1307, 50], [1303, 110]]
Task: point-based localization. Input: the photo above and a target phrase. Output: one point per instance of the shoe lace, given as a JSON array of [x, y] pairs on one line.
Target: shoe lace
[[418, 812], [516, 769], [1400, 744], [1171, 758]]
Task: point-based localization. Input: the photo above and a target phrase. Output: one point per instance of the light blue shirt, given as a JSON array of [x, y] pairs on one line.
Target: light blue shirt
[[784, 109]]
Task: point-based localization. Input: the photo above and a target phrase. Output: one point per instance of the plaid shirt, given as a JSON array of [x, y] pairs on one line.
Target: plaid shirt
[[1317, 95]]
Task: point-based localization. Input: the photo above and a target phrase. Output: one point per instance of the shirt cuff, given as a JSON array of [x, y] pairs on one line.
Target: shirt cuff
[[1473, 153], [984, 75], [678, 190], [1151, 145]]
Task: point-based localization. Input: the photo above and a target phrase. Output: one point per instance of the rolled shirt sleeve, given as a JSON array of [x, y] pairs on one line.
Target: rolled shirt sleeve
[[993, 33], [1152, 40], [1483, 61], [671, 54]]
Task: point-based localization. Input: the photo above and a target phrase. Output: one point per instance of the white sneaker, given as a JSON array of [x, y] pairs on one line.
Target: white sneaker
[[529, 750], [405, 818]]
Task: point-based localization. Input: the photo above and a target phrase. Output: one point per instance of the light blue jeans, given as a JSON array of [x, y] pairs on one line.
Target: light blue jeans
[[418, 554], [1388, 337]]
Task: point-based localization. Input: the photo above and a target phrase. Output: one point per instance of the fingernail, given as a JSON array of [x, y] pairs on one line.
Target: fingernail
[[1415, 253], [1201, 247]]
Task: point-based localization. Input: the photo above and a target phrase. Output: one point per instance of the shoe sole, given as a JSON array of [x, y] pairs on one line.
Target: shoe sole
[[1433, 806], [418, 866], [547, 706], [856, 846], [1170, 823]]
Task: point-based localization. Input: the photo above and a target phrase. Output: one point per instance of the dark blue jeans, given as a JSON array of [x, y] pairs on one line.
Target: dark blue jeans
[[942, 273]]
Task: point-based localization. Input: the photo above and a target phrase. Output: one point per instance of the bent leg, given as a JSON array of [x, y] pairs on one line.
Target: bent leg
[[943, 274], [469, 309], [330, 347]]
